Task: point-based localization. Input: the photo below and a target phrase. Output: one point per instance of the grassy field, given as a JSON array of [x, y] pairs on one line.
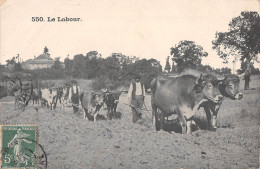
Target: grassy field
[[72, 142]]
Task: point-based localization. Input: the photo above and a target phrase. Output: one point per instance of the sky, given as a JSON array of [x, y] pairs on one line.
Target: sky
[[142, 28]]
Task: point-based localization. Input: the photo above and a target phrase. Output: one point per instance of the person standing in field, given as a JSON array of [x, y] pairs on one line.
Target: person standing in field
[[136, 95], [247, 76], [74, 96]]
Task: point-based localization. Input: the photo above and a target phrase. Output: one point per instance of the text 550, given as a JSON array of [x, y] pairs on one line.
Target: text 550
[[37, 19]]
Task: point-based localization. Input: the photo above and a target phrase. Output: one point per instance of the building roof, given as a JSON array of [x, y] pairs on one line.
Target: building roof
[[43, 56], [42, 59]]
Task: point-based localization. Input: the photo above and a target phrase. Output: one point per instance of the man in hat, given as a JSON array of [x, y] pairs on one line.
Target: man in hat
[[136, 94], [74, 96]]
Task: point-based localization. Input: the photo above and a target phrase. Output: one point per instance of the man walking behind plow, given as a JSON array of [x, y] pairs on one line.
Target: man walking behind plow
[[136, 95], [74, 96]]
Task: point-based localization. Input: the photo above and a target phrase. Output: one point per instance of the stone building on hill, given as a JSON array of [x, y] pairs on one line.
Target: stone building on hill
[[42, 61]]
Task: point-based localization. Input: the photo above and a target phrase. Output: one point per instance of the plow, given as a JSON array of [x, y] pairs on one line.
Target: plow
[[18, 85]]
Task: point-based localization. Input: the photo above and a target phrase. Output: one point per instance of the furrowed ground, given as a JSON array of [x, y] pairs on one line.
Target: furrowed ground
[[72, 142]]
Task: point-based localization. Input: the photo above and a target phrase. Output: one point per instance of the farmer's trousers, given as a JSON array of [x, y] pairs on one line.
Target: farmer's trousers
[[137, 103], [75, 101], [247, 79]]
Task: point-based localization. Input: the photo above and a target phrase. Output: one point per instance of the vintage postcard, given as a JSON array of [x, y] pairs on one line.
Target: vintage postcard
[[131, 84]]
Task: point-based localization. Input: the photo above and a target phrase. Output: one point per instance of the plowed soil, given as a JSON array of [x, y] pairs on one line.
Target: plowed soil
[[72, 142]]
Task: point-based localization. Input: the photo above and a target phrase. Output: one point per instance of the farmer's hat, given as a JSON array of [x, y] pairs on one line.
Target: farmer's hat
[[137, 76]]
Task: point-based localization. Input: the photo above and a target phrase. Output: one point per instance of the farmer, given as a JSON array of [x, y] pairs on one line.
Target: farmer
[[136, 94], [247, 76], [74, 96]]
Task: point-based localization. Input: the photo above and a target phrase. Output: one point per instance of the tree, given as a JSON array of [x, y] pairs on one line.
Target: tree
[[187, 55], [242, 40], [92, 54], [252, 69], [147, 68], [173, 67], [57, 64], [18, 67], [167, 65], [11, 64], [110, 68], [78, 65], [121, 59], [12, 61], [2, 68], [204, 68], [68, 66], [45, 50]]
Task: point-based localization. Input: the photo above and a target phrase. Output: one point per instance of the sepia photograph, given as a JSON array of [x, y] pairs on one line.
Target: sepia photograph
[[130, 84]]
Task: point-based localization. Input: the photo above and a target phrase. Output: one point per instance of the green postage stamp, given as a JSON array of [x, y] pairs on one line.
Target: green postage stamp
[[18, 145]]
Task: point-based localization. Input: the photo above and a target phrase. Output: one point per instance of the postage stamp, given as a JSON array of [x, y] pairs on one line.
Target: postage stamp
[[18, 145]]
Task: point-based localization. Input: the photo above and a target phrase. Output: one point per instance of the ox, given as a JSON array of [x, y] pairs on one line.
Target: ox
[[60, 98], [111, 99], [36, 96], [48, 96], [229, 88], [91, 103], [182, 96]]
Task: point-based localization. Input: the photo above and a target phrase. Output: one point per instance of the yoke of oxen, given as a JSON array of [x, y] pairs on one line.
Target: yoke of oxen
[[187, 89]]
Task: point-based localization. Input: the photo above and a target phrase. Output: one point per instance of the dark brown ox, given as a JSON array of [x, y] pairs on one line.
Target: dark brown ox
[[182, 96], [36, 96], [111, 99], [91, 103], [229, 88]]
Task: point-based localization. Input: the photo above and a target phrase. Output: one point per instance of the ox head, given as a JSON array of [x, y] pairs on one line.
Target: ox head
[[229, 87], [208, 85], [111, 97], [97, 99]]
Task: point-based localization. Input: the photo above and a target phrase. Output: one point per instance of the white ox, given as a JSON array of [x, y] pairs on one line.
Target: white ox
[[48, 96]]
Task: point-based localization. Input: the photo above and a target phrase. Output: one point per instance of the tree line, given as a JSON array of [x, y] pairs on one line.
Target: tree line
[[116, 69]]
